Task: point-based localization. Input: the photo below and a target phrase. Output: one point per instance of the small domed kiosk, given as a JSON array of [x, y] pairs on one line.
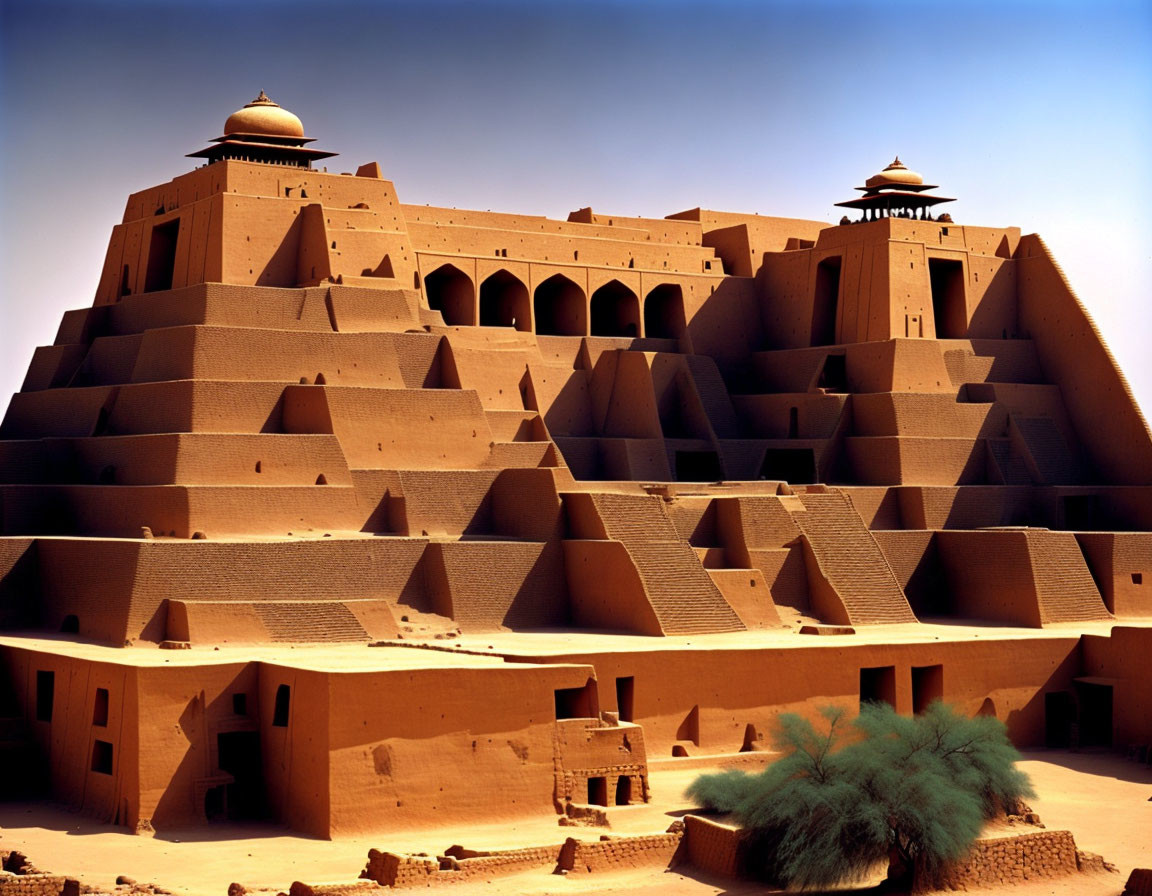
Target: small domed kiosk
[[263, 131], [896, 192]]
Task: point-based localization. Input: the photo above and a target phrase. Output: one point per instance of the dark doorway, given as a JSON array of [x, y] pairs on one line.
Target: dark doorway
[[450, 291], [1095, 714], [796, 465], [664, 312], [560, 308], [1080, 513], [1059, 714], [598, 791], [698, 466], [625, 690], [750, 739], [504, 302], [623, 790], [948, 298], [615, 311], [71, 624], [927, 686], [161, 256], [793, 423], [878, 685], [214, 806], [826, 301], [240, 757]]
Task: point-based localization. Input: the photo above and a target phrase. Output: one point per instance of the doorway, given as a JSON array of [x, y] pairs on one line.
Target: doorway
[[948, 306], [826, 301], [239, 756]]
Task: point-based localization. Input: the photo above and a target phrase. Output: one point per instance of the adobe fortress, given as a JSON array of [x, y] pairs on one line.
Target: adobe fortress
[[487, 512]]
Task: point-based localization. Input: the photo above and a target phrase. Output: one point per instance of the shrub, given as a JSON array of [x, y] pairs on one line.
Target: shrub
[[912, 790]]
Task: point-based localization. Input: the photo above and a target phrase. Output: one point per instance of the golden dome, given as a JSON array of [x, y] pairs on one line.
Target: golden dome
[[895, 174], [265, 118]]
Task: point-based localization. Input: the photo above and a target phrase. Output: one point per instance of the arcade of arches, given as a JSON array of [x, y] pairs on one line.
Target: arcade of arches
[[558, 306]]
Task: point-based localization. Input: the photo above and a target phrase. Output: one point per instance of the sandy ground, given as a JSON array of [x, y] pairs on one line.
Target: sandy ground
[[1103, 799]]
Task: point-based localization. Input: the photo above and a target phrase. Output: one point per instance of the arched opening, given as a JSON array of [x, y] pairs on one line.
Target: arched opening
[[504, 302], [559, 307], [450, 291], [664, 312], [71, 624], [615, 311]]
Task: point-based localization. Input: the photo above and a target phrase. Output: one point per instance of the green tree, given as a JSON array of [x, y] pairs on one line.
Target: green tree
[[911, 790]]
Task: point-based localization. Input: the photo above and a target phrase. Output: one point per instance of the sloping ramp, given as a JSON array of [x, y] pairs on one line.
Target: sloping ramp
[[851, 562], [1065, 588], [682, 594]]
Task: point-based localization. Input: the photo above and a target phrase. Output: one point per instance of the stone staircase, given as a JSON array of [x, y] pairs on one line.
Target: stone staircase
[[682, 594], [714, 397], [1065, 588], [1055, 463], [1012, 467], [307, 622], [851, 561]]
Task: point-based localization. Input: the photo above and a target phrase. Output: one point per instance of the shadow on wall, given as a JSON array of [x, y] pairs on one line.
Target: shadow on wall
[[728, 328], [220, 778], [1041, 721]]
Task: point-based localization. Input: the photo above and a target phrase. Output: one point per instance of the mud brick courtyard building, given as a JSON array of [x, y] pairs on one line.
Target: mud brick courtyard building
[[360, 515]]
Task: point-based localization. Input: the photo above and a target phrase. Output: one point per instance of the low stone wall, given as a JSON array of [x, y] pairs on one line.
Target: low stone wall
[[615, 853], [351, 888], [396, 870], [392, 869], [37, 885], [711, 847], [1007, 860]]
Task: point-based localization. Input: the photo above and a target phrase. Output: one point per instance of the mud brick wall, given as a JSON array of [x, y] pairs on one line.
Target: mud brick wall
[[1008, 860], [350, 888], [390, 869], [37, 885], [711, 847], [505, 862], [394, 870], [615, 853]]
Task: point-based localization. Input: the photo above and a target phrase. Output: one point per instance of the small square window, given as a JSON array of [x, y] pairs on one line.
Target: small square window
[[45, 694], [1137, 578], [100, 708], [240, 704], [102, 757]]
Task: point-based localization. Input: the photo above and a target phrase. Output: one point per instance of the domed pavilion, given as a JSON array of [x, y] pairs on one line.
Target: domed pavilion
[[896, 192], [263, 131]]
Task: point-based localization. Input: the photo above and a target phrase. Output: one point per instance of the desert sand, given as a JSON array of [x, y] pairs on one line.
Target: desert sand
[[1105, 800]]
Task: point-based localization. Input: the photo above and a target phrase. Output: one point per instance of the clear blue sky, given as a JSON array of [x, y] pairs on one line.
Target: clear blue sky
[[1033, 114]]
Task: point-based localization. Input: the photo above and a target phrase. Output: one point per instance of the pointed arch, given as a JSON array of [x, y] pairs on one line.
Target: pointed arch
[[451, 292], [615, 311], [664, 312], [560, 308], [504, 302]]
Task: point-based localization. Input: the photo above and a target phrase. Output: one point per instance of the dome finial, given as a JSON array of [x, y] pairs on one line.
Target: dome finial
[[896, 163], [262, 100]]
